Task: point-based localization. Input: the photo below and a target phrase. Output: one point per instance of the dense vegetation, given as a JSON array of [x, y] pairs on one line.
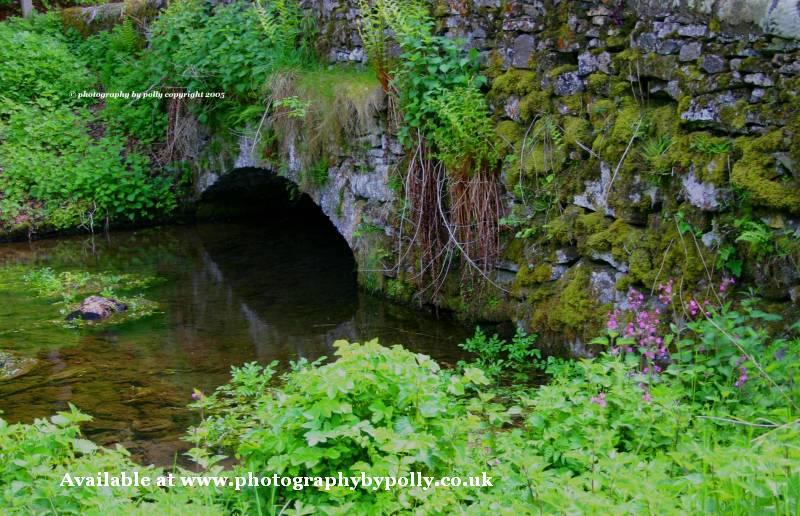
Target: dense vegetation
[[62, 167], [715, 430], [691, 404]]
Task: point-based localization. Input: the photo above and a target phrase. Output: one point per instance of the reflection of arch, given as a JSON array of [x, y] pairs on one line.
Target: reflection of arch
[[255, 192]]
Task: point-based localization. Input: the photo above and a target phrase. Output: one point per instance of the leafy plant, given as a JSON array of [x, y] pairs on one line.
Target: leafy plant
[[756, 235], [496, 356], [378, 410], [711, 146]]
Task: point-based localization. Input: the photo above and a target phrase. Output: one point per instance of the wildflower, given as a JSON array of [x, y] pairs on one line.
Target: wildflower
[[726, 282], [739, 383], [635, 299], [197, 395], [612, 320], [665, 292], [599, 400], [693, 307], [646, 397]]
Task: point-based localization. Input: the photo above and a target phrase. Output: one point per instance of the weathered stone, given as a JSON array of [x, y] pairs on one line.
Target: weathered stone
[[758, 79], [589, 63], [693, 31], [594, 196], [609, 259], [705, 196], [97, 308], [603, 284], [13, 366], [511, 108], [713, 64], [648, 42], [519, 25], [523, 47], [690, 51], [669, 46], [567, 84], [566, 256]]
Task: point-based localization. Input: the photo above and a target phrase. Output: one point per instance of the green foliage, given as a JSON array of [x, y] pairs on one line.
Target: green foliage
[[496, 356], [55, 172], [383, 411], [36, 457], [464, 133], [117, 58], [601, 437], [317, 174], [233, 50], [70, 287], [729, 363], [707, 145], [655, 148], [756, 234], [38, 67], [437, 84]]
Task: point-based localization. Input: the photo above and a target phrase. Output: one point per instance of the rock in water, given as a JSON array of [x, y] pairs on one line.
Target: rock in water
[[96, 308], [12, 366]]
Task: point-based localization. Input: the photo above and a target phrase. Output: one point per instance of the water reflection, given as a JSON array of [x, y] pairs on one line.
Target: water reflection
[[231, 294]]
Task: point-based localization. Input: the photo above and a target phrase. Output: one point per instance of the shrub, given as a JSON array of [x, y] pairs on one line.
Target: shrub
[[35, 457], [496, 356], [383, 411], [38, 66], [54, 172]]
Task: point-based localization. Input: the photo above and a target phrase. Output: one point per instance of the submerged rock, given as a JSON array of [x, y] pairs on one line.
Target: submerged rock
[[96, 308], [12, 366]]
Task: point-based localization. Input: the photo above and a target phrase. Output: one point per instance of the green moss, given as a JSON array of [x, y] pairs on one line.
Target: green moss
[[611, 146], [577, 130], [509, 132], [399, 290], [734, 116], [560, 70], [612, 239], [664, 120], [573, 103], [601, 111], [534, 103], [544, 159], [755, 173], [597, 83], [568, 308], [619, 87], [686, 151], [528, 276], [514, 82]]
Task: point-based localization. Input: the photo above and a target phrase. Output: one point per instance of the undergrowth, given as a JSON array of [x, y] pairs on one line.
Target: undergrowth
[[604, 435]]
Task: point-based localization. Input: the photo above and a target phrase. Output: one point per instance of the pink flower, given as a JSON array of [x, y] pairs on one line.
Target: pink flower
[[739, 383], [726, 282], [612, 320], [599, 400]]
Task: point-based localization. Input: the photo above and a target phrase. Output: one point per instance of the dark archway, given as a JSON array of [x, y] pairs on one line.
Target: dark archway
[[273, 230]]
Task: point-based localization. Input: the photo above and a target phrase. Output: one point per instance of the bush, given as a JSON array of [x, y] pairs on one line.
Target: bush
[[55, 173], [35, 457], [38, 66], [383, 411]]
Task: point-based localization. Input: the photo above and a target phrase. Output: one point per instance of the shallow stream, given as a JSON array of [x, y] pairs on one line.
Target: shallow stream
[[228, 294]]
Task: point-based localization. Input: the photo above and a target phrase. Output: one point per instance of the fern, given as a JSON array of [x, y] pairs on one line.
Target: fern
[[756, 234], [282, 22]]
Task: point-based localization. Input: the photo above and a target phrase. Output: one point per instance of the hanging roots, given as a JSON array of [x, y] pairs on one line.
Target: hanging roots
[[183, 132], [449, 216]]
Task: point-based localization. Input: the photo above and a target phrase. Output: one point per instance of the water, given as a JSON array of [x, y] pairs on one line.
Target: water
[[231, 293]]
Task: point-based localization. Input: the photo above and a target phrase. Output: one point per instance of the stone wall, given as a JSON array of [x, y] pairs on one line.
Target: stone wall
[[659, 125]]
